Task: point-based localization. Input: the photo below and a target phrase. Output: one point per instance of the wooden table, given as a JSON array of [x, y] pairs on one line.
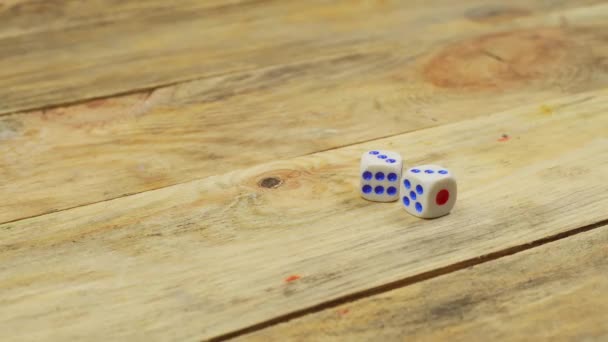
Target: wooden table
[[187, 170]]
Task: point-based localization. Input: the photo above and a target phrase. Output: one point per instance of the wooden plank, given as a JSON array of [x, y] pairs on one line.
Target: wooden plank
[[23, 17], [556, 292], [145, 45], [205, 258], [56, 159]]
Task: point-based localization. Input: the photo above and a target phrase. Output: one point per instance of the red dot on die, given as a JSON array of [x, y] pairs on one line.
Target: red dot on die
[[442, 197]]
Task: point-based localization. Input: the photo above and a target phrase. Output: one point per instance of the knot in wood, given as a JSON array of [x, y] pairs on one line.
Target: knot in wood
[[270, 182]]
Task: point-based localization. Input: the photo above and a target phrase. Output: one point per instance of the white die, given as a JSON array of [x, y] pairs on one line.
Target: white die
[[380, 173], [428, 191]]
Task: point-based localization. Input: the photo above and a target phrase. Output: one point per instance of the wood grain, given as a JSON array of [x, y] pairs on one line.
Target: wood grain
[[27, 17], [104, 49], [556, 292], [208, 257], [55, 159]]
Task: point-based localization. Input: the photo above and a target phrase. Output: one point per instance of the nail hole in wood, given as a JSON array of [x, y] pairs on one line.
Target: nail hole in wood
[[270, 182]]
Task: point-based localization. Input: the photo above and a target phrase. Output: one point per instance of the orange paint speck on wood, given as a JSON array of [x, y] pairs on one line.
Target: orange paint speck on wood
[[292, 278]]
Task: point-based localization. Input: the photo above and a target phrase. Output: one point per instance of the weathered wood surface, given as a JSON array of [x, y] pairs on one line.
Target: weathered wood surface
[[258, 220], [212, 256], [455, 64], [555, 292], [63, 51], [25, 17]]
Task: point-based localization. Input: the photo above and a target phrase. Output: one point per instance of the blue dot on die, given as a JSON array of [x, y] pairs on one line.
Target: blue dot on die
[[374, 152], [406, 201], [419, 189], [415, 171], [379, 190], [366, 189], [379, 176], [367, 175], [443, 172], [391, 190], [413, 195], [407, 184], [392, 177], [418, 207], [382, 156], [429, 171], [391, 161]]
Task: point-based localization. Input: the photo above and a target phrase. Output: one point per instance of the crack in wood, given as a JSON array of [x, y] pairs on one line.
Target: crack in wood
[[493, 56]]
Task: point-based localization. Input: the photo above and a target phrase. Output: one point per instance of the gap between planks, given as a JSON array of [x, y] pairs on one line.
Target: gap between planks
[[409, 281], [151, 89]]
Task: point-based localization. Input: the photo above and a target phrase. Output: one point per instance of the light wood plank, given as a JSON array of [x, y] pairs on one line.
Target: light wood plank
[[66, 157], [144, 46], [556, 292], [23, 17], [212, 256]]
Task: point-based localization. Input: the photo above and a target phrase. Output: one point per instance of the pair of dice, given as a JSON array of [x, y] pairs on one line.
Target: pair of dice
[[426, 191]]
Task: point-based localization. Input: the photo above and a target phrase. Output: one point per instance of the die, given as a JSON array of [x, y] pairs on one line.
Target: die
[[380, 173], [428, 191]]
